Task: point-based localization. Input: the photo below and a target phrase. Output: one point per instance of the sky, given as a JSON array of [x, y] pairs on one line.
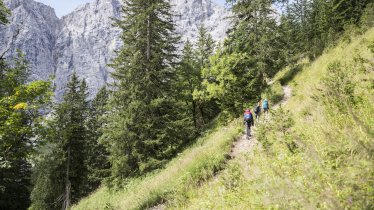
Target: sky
[[63, 7]]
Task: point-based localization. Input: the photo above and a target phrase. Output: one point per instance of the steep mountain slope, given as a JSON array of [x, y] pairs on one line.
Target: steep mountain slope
[[190, 14], [84, 41], [307, 157], [188, 169], [315, 152], [33, 29], [86, 44]]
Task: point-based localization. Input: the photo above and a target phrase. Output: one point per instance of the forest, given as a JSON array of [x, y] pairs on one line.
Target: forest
[[53, 154]]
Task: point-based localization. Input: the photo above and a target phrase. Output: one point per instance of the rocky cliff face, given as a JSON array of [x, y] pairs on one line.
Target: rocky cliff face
[[86, 44], [84, 41], [32, 29], [191, 14]]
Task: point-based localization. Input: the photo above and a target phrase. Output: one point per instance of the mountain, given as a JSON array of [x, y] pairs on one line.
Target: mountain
[[85, 41], [33, 29], [86, 44]]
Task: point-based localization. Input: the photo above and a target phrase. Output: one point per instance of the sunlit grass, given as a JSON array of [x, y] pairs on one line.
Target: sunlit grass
[[329, 170], [195, 165]]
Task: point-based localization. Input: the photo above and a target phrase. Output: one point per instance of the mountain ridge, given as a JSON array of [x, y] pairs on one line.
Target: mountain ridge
[[84, 41]]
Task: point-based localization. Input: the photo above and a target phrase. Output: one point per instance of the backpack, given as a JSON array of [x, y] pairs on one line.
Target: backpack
[[265, 104], [248, 117], [257, 109]]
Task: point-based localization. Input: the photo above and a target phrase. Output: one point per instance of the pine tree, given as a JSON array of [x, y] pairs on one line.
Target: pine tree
[[145, 126], [206, 109], [97, 156], [204, 47], [60, 175], [189, 78], [254, 33]]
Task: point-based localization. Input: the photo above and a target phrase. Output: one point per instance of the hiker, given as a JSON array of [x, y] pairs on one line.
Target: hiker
[[248, 121], [265, 107], [257, 111]]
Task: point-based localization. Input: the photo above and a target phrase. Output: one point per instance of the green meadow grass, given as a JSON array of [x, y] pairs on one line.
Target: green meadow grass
[[190, 168], [310, 156], [307, 158]]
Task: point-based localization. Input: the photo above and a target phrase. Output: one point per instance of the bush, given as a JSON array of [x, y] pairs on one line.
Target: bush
[[273, 93]]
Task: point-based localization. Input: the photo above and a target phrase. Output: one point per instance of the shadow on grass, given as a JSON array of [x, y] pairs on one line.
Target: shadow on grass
[[290, 74]]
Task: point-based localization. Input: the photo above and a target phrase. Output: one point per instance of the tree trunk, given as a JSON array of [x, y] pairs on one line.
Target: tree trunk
[[67, 200], [148, 38], [194, 115]]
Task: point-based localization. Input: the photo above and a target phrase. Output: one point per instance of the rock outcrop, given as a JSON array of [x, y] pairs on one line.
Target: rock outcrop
[[85, 41]]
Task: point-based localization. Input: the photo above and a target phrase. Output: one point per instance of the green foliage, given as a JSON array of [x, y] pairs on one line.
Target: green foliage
[[97, 156], [274, 93], [146, 125], [367, 19], [189, 169], [60, 175], [320, 22], [342, 102], [255, 34], [4, 12], [21, 121], [278, 133], [194, 59], [316, 151], [204, 47], [231, 81]]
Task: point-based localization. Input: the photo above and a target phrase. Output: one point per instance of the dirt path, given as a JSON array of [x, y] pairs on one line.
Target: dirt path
[[244, 145], [287, 95]]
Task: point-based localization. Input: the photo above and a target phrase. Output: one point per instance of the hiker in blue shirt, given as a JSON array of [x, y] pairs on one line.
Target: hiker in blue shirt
[[265, 107]]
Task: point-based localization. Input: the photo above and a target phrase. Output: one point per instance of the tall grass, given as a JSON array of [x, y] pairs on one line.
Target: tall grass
[[318, 150], [195, 165]]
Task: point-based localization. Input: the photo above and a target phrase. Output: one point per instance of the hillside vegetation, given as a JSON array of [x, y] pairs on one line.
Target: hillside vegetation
[[125, 148], [317, 152], [188, 169]]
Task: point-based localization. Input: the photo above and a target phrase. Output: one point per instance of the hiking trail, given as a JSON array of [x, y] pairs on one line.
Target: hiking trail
[[242, 145]]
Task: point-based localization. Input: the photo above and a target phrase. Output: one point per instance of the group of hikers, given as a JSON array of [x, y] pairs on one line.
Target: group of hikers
[[249, 119]]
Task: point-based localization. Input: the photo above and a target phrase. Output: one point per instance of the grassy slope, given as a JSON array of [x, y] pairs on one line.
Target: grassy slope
[[274, 178], [191, 167], [332, 165]]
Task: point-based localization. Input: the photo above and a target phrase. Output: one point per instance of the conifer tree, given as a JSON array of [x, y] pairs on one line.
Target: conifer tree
[[205, 45], [190, 79], [254, 33], [145, 126], [60, 175], [97, 156]]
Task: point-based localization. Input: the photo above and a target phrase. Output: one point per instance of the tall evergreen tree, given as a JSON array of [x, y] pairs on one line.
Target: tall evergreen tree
[[145, 127], [254, 33], [60, 177], [97, 156], [204, 47], [189, 79], [206, 108]]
